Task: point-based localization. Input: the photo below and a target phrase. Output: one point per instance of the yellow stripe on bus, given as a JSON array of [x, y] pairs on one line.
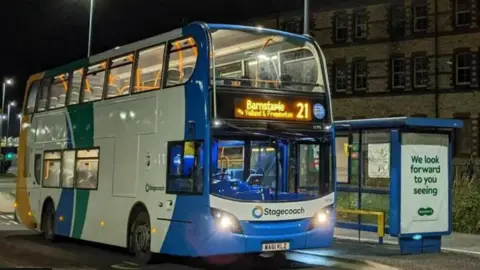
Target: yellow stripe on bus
[[24, 209]]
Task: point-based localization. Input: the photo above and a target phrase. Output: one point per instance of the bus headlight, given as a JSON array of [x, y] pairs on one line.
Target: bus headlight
[[321, 218], [226, 221]]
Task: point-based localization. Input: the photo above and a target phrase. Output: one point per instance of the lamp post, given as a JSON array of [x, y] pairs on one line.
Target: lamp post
[[306, 16], [19, 116], [92, 2], [4, 90], [10, 105]]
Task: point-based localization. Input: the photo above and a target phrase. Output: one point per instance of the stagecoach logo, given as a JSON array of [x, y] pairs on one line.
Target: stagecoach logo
[[149, 187], [318, 111], [258, 212]]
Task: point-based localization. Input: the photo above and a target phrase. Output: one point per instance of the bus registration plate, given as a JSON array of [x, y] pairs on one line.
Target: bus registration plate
[[275, 246]]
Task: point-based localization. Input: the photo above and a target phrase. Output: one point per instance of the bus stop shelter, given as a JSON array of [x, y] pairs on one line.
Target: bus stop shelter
[[399, 170]]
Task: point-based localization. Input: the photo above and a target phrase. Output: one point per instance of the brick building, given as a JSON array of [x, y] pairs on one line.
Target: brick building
[[397, 58]]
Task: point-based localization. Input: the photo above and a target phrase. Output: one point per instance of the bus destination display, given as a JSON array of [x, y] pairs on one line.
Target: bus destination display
[[294, 110]]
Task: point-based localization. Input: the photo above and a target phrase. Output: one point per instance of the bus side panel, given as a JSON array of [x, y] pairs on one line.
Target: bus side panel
[[51, 130], [132, 133]]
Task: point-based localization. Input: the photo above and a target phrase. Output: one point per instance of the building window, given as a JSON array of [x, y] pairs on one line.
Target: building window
[[341, 28], [420, 72], [398, 22], [86, 173], [360, 25], [293, 26], [463, 68], [360, 75], [398, 73], [51, 168], [463, 138], [463, 12], [184, 171], [340, 76], [420, 18]]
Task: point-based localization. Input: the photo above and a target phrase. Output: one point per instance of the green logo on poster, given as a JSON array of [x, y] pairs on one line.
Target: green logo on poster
[[425, 211]]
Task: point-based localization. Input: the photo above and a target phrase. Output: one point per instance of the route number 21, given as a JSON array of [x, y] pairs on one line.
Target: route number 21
[[303, 110]]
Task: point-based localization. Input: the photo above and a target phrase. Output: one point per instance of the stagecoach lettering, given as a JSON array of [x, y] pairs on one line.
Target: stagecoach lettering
[[149, 187]]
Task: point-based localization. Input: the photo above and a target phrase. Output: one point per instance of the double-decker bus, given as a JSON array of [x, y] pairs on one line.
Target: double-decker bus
[[207, 140]]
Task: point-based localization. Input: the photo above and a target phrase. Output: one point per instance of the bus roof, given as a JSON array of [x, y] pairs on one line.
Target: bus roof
[[121, 50]]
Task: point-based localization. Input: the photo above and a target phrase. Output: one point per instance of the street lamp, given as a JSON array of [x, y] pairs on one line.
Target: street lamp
[[92, 2], [11, 104]]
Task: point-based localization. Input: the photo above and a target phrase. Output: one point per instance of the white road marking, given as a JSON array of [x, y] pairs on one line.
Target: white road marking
[[466, 251]]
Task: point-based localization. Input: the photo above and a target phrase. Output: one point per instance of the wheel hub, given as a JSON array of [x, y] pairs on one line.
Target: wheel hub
[[142, 234]]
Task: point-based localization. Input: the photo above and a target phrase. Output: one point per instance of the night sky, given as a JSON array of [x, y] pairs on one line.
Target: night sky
[[37, 35]]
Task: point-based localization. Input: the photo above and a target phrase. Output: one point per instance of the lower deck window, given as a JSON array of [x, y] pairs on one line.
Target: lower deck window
[[71, 168]]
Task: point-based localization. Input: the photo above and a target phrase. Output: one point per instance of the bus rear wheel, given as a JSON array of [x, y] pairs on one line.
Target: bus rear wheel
[[140, 238], [48, 223]]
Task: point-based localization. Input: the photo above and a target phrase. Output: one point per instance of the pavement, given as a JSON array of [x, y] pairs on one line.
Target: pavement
[[456, 242]]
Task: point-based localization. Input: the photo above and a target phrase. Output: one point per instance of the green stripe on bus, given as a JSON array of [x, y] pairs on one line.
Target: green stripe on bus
[[81, 205], [81, 118]]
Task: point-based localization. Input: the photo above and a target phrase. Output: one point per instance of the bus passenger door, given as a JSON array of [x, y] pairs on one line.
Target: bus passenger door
[[35, 182]]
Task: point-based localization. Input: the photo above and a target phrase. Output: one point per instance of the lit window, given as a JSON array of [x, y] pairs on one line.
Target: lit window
[[58, 91], [149, 70], [87, 169], [119, 77], [94, 82], [76, 86], [182, 59], [51, 169]]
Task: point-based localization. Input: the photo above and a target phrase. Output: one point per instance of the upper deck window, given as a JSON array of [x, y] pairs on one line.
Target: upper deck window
[[76, 86], [94, 82], [32, 96], [262, 60], [149, 70], [182, 58], [119, 77], [58, 91], [43, 95]]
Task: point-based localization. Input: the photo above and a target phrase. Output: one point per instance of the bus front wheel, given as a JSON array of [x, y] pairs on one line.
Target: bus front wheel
[[140, 238]]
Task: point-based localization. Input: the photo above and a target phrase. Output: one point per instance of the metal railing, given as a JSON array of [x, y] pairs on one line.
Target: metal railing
[[380, 219]]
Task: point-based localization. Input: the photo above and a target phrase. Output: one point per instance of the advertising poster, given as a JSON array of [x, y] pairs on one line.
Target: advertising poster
[[424, 183], [379, 160]]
